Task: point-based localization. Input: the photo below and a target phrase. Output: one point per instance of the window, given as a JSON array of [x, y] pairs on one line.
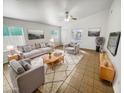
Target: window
[[55, 34], [13, 35]]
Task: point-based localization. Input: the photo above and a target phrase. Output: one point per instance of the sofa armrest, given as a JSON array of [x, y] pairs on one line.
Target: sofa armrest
[[66, 45], [31, 79], [76, 48]]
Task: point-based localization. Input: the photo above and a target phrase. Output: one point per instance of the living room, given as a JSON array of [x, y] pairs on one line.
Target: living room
[[69, 47]]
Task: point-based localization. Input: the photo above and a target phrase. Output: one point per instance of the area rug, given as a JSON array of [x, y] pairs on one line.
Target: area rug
[[54, 78]]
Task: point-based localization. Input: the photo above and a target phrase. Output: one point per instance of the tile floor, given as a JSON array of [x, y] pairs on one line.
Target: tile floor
[[83, 79]]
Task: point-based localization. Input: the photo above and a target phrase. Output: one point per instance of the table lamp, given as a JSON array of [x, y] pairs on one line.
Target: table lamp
[[11, 49], [52, 40]]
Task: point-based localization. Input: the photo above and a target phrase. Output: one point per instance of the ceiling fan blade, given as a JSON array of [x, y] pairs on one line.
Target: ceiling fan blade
[[74, 18]]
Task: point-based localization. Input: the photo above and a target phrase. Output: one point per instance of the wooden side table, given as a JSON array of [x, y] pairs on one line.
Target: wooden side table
[[14, 56]]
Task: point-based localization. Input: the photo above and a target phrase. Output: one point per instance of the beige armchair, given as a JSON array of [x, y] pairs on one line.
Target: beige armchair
[[72, 48]]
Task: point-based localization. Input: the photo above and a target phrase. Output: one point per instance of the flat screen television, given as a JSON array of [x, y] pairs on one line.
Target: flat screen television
[[113, 42]]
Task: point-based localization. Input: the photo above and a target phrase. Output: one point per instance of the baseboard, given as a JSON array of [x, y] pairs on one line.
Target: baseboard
[[87, 49]]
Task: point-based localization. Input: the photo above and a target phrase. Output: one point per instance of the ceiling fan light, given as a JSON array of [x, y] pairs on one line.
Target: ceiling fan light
[[66, 19]]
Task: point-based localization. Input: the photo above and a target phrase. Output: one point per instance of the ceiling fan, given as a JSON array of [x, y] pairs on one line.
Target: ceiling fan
[[69, 17]]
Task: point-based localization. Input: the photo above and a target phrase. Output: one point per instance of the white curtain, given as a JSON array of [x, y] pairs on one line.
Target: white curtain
[[13, 40]]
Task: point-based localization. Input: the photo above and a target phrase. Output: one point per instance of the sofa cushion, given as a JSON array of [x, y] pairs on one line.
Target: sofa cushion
[[46, 49], [43, 45], [47, 45], [27, 48], [26, 55], [37, 45], [33, 46], [31, 53], [20, 48], [72, 44], [69, 48], [17, 67], [25, 65]]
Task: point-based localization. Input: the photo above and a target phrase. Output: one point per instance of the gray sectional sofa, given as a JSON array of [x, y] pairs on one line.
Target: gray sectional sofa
[[34, 50], [26, 77]]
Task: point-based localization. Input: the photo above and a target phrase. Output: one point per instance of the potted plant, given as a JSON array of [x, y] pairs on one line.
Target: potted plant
[[50, 54], [99, 43]]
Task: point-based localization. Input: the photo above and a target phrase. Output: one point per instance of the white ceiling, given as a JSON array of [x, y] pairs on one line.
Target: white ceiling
[[52, 11]]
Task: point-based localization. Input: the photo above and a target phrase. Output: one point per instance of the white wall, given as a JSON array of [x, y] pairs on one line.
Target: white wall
[[96, 20], [32, 25], [114, 25]]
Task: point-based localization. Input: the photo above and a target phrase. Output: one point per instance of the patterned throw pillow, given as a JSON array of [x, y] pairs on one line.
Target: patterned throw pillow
[[17, 67], [47, 44], [33, 46], [27, 48], [37, 45], [20, 48], [25, 65], [42, 45]]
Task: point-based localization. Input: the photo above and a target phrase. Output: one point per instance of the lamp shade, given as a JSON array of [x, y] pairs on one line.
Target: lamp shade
[[51, 40], [10, 47]]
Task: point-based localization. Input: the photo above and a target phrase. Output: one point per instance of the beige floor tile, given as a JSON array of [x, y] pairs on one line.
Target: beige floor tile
[[99, 85], [89, 74], [69, 89], [75, 83]]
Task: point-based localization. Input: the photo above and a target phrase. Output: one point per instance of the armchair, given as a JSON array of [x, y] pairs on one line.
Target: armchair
[[72, 48]]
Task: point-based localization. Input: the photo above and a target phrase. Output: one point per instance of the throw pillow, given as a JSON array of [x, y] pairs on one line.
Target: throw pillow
[[25, 65], [33, 47], [20, 48], [42, 45], [27, 48], [47, 45], [17, 67], [106, 63], [71, 44], [37, 45]]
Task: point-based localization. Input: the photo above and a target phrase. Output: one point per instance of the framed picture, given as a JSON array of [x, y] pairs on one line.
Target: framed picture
[[94, 32], [35, 34], [113, 42]]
